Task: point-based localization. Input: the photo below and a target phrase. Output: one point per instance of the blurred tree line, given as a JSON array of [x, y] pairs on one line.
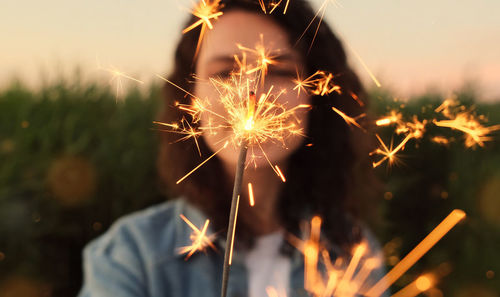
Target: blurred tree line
[[73, 159]]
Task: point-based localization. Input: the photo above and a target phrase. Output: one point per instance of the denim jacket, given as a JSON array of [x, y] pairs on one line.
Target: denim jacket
[[138, 257]]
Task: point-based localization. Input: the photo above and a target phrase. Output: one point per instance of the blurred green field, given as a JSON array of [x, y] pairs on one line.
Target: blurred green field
[[73, 159]]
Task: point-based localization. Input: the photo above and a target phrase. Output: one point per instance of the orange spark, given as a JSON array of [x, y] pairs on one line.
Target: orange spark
[[422, 248], [117, 77], [440, 140], [250, 194], [475, 133], [205, 10], [201, 164], [280, 174], [368, 266], [356, 98], [348, 119], [234, 230], [367, 69], [199, 238], [184, 129], [265, 57], [462, 119], [388, 153], [446, 107], [311, 255], [337, 281], [319, 14], [286, 6], [272, 5], [320, 83], [414, 129], [393, 117]]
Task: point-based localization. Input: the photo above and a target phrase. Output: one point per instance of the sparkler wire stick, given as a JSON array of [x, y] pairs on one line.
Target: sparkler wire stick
[[238, 179]]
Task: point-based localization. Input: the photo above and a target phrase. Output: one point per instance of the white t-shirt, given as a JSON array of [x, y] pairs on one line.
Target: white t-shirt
[[267, 268]]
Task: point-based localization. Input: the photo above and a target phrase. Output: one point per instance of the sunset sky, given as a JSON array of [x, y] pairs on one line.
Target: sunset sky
[[411, 46]]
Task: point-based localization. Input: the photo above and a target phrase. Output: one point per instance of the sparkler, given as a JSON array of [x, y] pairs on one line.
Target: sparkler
[[252, 121], [199, 238], [206, 11], [351, 281]]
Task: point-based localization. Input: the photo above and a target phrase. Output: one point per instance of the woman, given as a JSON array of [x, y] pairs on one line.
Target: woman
[[326, 170]]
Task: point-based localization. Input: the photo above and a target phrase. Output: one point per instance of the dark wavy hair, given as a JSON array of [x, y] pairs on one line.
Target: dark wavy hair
[[332, 178]]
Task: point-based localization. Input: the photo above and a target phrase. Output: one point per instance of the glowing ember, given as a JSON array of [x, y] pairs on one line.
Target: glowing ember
[[206, 11], [199, 238], [279, 173], [250, 194]]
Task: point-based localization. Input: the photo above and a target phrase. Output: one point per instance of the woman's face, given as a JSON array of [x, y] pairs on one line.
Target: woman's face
[[216, 59]]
